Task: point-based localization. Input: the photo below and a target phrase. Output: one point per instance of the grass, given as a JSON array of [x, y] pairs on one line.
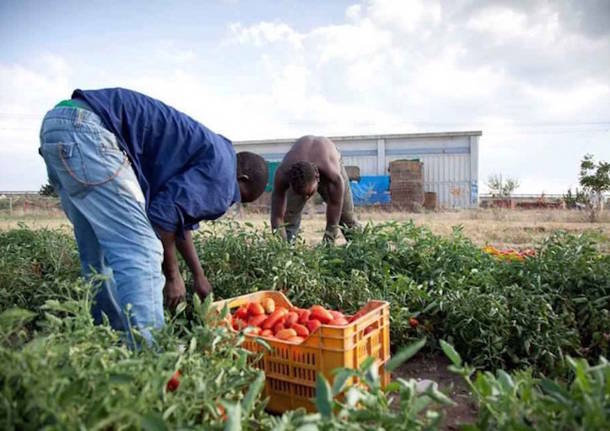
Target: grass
[[499, 227]]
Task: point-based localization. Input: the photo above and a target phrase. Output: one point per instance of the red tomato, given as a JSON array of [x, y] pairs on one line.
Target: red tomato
[[257, 320], [291, 318], [221, 412], [269, 305], [242, 312], [339, 322], [304, 316], [356, 316], [173, 382], [413, 322], [301, 330], [337, 314], [279, 326], [285, 334], [255, 309], [278, 314], [239, 324], [313, 325], [320, 313]]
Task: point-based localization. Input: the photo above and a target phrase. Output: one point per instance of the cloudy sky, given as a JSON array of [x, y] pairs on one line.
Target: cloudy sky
[[534, 76]]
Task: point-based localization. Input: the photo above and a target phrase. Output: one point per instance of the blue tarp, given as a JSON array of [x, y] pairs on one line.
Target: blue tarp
[[371, 190]]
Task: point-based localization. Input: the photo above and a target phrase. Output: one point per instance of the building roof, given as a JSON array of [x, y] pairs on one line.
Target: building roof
[[368, 137]]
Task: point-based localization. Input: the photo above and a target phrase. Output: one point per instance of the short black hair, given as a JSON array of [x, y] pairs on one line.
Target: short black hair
[[301, 174], [255, 169]]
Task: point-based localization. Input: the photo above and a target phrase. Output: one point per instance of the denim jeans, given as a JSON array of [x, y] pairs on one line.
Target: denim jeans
[[101, 196]]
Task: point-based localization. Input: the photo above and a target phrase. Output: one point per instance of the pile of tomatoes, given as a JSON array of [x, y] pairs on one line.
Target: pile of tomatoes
[[294, 324], [510, 254]]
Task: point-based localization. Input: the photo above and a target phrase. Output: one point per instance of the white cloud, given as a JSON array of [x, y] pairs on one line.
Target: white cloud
[[501, 22], [390, 67], [411, 16], [263, 33]]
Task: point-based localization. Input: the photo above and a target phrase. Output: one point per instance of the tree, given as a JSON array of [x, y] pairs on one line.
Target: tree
[[500, 187], [47, 190], [595, 180], [577, 200]]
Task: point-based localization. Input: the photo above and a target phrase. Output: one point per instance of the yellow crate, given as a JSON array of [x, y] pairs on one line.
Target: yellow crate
[[291, 369]]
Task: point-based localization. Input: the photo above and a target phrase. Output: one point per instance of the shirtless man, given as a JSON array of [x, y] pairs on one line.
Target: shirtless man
[[312, 165]]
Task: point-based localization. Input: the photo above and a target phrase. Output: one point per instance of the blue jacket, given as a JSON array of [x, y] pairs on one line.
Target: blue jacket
[[186, 171]]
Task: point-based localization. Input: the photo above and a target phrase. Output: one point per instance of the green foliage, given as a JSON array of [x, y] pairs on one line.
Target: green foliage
[[502, 187], [72, 374], [594, 177], [523, 402], [47, 190], [573, 200], [498, 314], [532, 316]]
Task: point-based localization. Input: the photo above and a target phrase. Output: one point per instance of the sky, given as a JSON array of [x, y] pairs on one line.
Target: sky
[[534, 76]]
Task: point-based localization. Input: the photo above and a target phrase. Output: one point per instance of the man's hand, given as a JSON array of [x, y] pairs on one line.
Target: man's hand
[[330, 234], [174, 291], [201, 286]]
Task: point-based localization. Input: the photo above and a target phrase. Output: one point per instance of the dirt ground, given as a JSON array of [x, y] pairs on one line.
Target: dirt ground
[[431, 367], [499, 227]]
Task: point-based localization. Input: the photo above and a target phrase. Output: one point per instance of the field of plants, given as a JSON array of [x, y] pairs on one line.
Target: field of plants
[[527, 336]]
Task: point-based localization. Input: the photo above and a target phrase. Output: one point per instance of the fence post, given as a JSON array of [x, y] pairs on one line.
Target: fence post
[[10, 205]]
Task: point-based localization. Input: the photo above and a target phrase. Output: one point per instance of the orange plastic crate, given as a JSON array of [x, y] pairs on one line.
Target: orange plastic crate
[[291, 369]]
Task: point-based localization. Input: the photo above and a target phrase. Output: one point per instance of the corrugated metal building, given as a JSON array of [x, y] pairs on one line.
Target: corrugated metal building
[[451, 159]]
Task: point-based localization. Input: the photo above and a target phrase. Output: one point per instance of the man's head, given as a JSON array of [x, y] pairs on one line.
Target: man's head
[[304, 178], [252, 175]]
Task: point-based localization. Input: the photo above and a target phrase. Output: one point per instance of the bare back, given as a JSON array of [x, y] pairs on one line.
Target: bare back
[[318, 150]]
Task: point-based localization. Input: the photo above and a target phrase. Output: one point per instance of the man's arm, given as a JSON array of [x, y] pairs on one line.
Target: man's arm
[[174, 291], [185, 246], [278, 204], [333, 207]]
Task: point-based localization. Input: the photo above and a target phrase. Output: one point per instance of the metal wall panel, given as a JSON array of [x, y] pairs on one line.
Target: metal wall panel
[[450, 159]]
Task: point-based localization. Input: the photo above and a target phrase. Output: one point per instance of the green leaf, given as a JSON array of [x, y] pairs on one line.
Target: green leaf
[[120, 378], [180, 308], [242, 359], [366, 364], [193, 345], [170, 410], [15, 316], [438, 396], [505, 380], [392, 387], [233, 416], [341, 380], [152, 422], [207, 303], [554, 390], [451, 353], [371, 375], [263, 343], [253, 392], [404, 355], [323, 400]]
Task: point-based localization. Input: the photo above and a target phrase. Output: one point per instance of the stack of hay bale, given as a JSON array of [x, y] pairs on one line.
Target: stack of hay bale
[[407, 184], [430, 201]]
